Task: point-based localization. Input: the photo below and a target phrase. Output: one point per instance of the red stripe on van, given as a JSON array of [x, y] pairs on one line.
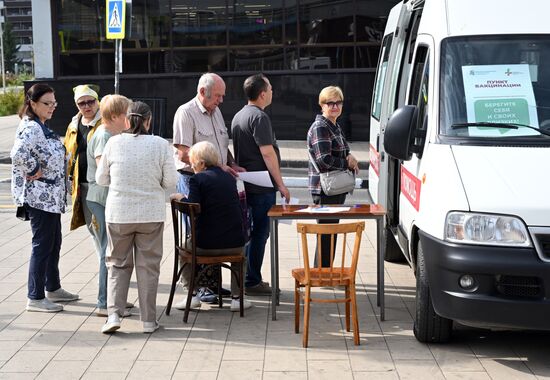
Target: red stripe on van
[[374, 158], [410, 187]]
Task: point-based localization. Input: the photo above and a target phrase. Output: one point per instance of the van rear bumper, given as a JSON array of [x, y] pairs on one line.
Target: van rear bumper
[[512, 284]]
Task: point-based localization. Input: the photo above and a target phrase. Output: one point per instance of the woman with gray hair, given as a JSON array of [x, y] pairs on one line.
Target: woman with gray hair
[[219, 225], [138, 168]]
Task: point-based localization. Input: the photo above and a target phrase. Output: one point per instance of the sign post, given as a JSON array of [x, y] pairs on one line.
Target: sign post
[[115, 23], [2, 47]]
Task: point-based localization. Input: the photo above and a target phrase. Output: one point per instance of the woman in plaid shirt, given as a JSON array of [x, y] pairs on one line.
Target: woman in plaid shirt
[[330, 150]]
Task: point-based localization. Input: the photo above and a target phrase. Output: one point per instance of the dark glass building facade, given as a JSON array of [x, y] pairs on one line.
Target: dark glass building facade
[[301, 45]]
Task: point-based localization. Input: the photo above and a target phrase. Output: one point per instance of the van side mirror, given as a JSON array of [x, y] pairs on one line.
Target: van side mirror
[[398, 137]]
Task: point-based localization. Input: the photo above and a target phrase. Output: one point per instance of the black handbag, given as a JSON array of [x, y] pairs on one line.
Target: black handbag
[[22, 213]]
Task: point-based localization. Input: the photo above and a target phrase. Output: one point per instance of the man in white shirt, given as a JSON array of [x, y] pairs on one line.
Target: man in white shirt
[[198, 120]]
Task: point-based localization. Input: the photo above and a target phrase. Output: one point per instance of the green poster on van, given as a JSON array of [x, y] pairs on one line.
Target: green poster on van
[[499, 94]]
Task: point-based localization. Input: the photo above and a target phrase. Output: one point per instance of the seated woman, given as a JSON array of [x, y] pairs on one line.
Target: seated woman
[[219, 225]]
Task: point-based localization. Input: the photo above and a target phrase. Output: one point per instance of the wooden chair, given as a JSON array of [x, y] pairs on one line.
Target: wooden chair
[[187, 253], [342, 275]]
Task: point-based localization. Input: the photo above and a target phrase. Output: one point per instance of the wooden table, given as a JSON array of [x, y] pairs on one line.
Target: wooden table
[[359, 211]]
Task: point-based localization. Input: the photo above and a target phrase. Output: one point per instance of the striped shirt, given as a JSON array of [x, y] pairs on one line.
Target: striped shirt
[[328, 147]]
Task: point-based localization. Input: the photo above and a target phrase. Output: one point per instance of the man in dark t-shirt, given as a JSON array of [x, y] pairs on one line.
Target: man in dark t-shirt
[[256, 149]]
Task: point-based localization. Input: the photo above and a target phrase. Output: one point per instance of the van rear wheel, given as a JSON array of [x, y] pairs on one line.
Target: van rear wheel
[[392, 252], [428, 326]]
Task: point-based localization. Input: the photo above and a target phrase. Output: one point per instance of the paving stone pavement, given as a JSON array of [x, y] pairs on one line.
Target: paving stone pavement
[[217, 344]]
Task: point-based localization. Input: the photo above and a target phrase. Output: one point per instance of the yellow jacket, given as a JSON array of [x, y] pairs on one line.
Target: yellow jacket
[[71, 145]]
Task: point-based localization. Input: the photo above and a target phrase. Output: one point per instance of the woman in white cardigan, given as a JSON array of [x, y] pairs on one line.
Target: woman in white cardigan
[[138, 168]]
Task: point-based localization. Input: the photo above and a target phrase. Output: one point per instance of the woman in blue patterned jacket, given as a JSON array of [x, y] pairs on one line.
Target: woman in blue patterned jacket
[[38, 184]]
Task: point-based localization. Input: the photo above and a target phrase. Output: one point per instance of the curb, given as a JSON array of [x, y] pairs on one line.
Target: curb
[[303, 164], [289, 181], [303, 182]]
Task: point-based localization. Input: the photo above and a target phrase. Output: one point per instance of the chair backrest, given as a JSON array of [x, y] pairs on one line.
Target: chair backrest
[[184, 217], [337, 261]]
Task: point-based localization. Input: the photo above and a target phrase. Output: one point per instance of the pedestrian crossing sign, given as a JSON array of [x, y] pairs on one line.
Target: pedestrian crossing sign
[[115, 21]]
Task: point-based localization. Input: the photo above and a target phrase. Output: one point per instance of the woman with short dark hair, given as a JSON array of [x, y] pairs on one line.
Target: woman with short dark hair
[[39, 185]]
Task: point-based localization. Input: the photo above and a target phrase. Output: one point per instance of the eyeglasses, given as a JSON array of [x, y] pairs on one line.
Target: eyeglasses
[[49, 104], [86, 103], [334, 104]]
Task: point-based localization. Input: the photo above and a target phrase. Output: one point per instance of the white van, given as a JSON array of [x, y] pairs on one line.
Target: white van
[[460, 157]]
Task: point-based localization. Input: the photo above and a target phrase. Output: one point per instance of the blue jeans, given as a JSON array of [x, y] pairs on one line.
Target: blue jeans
[[259, 205], [99, 231], [183, 184], [46, 244]]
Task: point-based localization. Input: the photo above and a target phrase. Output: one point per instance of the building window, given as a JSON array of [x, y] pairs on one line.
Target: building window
[[254, 22], [165, 36], [199, 23]]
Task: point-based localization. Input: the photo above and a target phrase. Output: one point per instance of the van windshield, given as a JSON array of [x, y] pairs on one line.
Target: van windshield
[[495, 80]]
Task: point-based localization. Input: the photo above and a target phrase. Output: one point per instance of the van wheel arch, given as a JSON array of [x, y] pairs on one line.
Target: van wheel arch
[[415, 238]]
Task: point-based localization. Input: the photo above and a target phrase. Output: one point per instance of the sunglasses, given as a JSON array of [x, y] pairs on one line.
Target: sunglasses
[[86, 103], [334, 104], [50, 104]]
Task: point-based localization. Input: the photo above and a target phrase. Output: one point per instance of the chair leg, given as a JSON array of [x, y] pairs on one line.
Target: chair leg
[[190, 293], [296, 307], [354, 317], [347, 308], [174, 283], [241, 289], [220, 300], [306, 316]]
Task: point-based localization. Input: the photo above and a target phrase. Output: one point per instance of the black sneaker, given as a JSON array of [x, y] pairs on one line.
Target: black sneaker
[[225, 292], [262, 289]]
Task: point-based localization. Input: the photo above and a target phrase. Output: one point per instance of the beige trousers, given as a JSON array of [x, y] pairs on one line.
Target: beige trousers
[[186, 271], [139, 243]]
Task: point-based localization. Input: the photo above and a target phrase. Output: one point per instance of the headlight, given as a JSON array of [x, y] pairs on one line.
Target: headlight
[[487, 229]]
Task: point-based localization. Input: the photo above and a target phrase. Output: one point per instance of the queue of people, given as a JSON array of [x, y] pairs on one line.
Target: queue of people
[[118, 174]]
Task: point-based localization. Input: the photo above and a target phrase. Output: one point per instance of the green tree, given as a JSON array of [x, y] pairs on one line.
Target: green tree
[[10, 48]]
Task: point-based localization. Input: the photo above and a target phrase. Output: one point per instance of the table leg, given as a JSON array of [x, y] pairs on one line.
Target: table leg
[[381, 248], [273, 248], [378, 270], [277, 274]]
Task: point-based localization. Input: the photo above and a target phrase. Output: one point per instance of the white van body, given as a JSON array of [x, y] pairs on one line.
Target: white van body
[[463, 177]]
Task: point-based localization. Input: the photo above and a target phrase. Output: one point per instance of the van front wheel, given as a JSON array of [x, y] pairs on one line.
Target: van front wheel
[[428, 326]]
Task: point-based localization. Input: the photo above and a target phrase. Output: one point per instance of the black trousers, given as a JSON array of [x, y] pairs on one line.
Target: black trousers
[[323, 199]]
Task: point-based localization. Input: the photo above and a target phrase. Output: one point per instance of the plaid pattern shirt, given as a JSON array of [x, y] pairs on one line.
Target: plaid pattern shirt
[[328, 147]]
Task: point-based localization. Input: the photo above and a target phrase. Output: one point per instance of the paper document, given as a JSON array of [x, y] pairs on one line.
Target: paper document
[[260, 178], [323, 209]]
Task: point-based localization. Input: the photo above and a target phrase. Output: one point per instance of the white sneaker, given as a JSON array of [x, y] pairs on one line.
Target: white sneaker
[[61, 295], [195, 303], [150, 327], [235, 304], [112, 325], [104, 313], [44, 305]]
